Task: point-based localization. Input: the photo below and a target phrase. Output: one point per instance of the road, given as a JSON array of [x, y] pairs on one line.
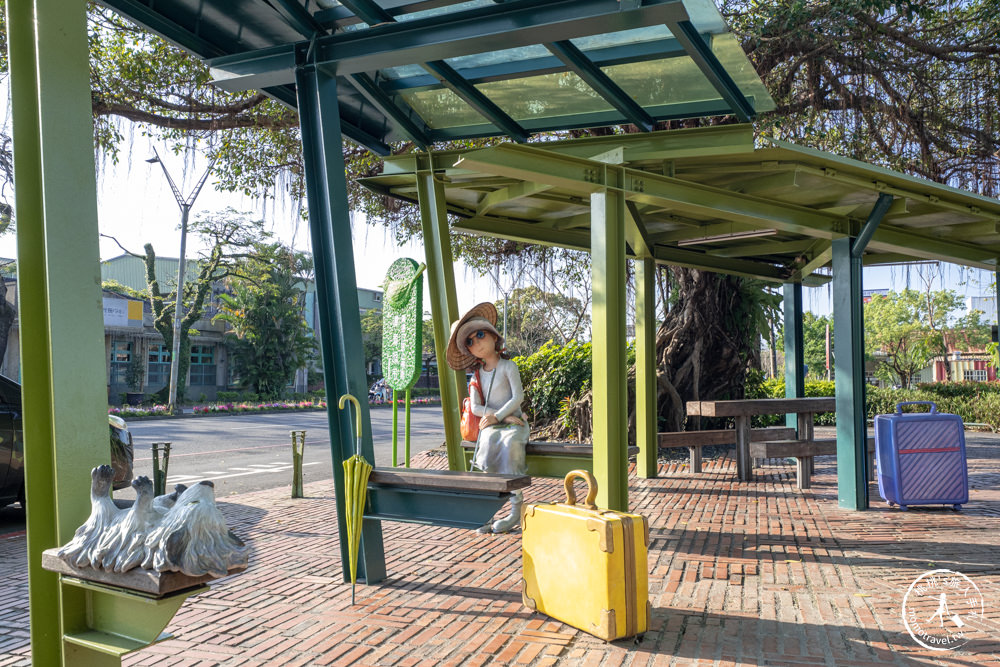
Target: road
[[249, 452]]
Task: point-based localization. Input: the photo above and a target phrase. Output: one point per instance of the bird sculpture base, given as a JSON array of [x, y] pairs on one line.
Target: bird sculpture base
[[141, 580]]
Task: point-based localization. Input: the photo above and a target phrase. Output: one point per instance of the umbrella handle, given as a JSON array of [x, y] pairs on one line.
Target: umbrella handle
[[357, 412]]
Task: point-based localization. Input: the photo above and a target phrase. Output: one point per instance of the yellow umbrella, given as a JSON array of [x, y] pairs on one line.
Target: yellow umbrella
[[356, 472]]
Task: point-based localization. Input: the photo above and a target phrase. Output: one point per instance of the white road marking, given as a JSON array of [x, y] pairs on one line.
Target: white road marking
[[185, 479]]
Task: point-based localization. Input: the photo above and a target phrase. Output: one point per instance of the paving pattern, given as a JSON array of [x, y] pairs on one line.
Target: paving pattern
[[754, 573]]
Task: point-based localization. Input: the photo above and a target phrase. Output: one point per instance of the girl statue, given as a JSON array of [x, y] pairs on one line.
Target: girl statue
[[496, 394]]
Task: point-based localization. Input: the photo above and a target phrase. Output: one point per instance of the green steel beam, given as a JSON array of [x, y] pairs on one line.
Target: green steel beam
[[64, 397], [736, 267], [795, 386], [656, 49], [527, 232], [397, 112], [819, 254], [153, 21], [587, 176], [608, 267], [298, 17], [653, 146], [601, 83], [704, 232], [765, 248], [908, 241], [701, 53], [372, 14], [645, 369], [781, 180], [848, 331], [441, 37], [524, 232], [368, 11], [871, 224], [472, 96], [636, 237], [444, 303], [337, 298], [664, 145], [512, 192]]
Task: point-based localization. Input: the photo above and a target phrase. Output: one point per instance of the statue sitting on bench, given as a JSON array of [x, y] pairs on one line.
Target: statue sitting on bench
[[496, 394]]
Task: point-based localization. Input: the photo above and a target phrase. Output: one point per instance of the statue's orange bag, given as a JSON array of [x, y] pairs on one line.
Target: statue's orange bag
[[470, 422]]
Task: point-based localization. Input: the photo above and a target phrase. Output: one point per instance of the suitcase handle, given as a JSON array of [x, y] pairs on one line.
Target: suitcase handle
[[899, 406], [591, 488]]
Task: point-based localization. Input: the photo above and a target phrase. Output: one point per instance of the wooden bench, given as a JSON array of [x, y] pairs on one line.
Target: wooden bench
[[439, 497], [551, 459], [803, 452], [742, 410], [695, 440]]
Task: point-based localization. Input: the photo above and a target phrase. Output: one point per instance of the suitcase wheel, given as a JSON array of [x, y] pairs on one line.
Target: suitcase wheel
[[638, 639], [902, 507], [958, 507], [890, 503]]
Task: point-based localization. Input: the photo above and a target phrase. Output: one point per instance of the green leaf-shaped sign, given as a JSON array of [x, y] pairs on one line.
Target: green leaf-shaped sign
[[402, 324]]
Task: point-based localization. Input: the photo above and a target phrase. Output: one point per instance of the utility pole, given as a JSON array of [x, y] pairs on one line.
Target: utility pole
[[185, 206]]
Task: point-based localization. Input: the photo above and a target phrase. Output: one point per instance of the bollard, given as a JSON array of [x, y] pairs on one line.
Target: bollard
[[160, 473], [298, 449]]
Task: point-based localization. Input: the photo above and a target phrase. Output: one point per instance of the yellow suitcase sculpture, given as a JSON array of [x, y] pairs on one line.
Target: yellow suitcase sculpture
[[584, 566]]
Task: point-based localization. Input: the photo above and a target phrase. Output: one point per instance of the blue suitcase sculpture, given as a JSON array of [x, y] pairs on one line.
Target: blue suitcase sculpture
[[921, 458]]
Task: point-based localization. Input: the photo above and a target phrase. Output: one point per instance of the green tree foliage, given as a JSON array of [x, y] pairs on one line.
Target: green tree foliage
[[552, 375], [908, 85], [905, 330], [371, 337], [534, 317], [814, 329], [813, 344], [264, 306], [229, 236]]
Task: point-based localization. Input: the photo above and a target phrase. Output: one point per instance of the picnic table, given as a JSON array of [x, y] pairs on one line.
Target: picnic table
[[803, 448]]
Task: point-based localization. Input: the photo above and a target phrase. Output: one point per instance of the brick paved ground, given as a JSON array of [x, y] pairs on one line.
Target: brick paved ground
[[740, 574]]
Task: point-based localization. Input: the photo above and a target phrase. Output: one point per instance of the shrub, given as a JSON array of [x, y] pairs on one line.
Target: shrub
[[552, 374]]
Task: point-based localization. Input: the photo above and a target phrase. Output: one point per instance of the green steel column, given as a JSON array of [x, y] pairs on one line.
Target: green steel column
[[444, 305], [62, 343], [795, 380], [337, 297], [848, 347], [645, 368], [607, 248]]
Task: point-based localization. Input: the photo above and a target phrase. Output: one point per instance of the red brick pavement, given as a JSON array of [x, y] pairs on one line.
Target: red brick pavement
[[740, 574]]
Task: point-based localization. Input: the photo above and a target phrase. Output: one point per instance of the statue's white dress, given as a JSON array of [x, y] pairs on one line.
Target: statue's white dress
[[500, 448]]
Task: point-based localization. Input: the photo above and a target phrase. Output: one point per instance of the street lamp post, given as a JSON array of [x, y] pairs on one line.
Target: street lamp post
[[185, 206]]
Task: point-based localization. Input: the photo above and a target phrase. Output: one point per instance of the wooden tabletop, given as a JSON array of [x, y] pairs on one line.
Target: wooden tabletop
[[760, 406]]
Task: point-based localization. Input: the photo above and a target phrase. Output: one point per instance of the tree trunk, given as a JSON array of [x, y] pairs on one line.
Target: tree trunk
[[703, 350]]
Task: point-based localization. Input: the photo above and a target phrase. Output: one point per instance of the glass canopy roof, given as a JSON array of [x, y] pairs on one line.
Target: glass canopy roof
[[437, 70]]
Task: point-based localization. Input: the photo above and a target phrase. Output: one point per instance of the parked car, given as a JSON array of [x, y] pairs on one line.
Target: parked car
[[12, 446]]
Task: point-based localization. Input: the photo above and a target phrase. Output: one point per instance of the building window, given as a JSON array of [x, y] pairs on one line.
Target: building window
[[158, 368], [978, 375], [202, 365], [121, 354]]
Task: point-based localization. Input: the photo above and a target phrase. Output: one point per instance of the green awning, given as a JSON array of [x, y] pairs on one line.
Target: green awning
[[706, 198]]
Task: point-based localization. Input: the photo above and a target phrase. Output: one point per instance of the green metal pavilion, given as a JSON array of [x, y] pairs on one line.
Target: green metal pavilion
[[424, 71]]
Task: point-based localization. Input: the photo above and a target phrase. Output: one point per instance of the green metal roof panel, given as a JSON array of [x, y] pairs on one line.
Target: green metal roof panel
[[769, 212], [420, 70]]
